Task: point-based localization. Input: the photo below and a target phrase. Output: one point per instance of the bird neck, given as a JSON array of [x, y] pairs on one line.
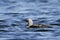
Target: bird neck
[[30, 23]]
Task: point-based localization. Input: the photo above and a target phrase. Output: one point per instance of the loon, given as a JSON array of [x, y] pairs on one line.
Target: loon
[[31, 25]]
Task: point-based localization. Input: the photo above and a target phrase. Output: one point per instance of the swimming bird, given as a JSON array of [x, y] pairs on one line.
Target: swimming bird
[[31, 25]]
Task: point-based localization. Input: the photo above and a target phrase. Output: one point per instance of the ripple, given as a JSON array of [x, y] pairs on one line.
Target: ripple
[[2, 20], [3, 26], [55, 24], [44, 31], [3, 31], [44, 1], [58, 20], [14, 25]]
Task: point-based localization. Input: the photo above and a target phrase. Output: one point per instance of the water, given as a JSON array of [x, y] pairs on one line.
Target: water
[[14, 12]]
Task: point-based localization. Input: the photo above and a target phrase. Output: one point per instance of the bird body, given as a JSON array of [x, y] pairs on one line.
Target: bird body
[[39, 26], [31, 25]]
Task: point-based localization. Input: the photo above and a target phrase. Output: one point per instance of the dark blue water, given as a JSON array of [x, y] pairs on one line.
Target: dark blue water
[[14, 12]]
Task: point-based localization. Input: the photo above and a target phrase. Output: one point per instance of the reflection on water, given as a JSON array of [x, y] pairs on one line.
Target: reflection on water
[[13, 26]]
